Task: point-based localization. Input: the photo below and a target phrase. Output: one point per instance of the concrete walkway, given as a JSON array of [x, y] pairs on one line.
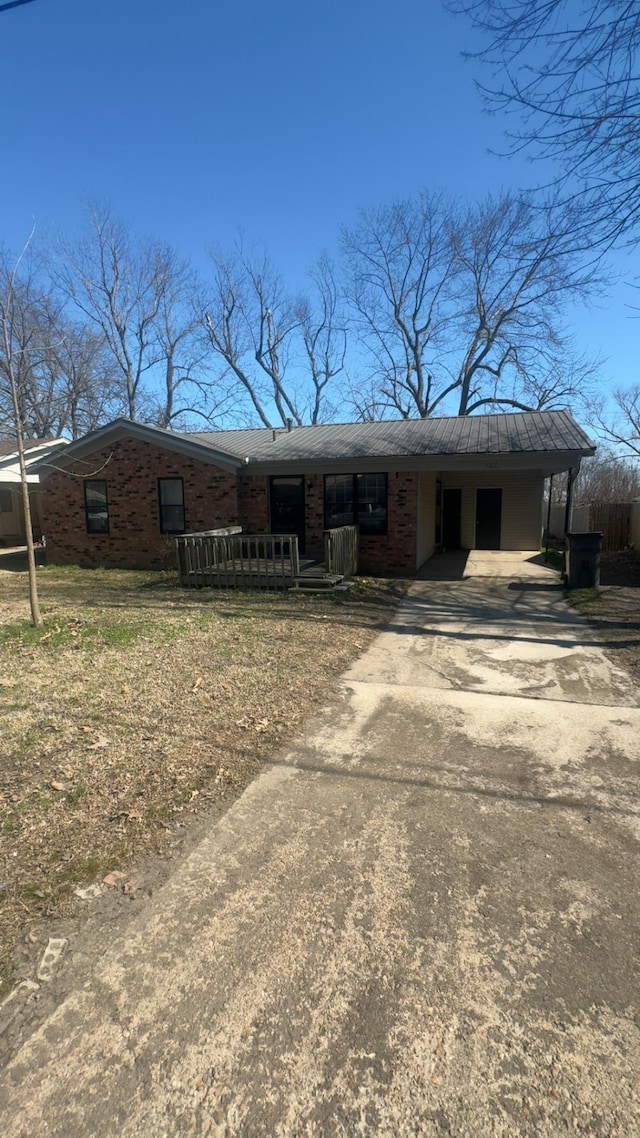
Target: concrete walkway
[[422, 920]]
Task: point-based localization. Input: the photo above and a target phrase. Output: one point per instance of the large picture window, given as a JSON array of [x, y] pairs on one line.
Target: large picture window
[[356, 499], [171, 498], [96, 506]]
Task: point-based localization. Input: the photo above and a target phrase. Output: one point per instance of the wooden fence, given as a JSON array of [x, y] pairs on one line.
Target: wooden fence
[[613, 520], [237, 561], [341, 550]]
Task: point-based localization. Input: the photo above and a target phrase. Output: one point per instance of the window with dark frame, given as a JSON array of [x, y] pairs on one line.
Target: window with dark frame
[[6, 502], [96, 505], [356, 499], [171, 501]]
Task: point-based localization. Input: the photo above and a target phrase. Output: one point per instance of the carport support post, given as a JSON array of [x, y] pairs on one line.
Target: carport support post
[[546, 542], [567, 516]]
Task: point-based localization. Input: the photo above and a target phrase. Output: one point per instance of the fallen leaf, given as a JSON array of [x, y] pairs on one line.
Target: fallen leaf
[[114, 878], [59, 785], [197, 684]]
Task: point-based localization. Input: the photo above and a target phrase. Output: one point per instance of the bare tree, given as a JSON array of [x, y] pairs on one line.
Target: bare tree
[[607, 477], [64, 381], [617, 420], [519, 273], [282, 352], [118, 284], [76, 382], [143, 300], [402, 272], [14, 366], [570, 73], [185, 389], [465, 305], [323, 331]]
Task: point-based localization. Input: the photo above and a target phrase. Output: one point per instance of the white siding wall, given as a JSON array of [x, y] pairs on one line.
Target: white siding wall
[[425, 543], [11, 522], [521, 505]]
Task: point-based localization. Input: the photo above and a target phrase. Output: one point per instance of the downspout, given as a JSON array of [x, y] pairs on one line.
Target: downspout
[[568, 513]]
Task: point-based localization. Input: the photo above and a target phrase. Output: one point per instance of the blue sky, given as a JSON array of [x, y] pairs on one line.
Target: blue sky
[[196, 119]]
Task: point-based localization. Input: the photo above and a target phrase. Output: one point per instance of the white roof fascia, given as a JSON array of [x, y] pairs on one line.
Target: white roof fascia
[[34, 455]]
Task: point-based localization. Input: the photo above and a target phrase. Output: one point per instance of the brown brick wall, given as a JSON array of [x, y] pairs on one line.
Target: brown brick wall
[[314, 515], [131, 474], [253, 502], [394, 552], [213, 498]]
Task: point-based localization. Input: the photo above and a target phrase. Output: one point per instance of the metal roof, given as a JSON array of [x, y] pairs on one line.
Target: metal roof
[[532, 432]]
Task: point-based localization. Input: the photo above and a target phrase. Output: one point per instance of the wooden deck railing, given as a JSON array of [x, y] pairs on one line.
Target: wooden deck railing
[[233, 560], [341, 550]]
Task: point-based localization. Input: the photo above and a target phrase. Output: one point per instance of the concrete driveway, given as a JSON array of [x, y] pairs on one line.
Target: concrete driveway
[[422, 920]]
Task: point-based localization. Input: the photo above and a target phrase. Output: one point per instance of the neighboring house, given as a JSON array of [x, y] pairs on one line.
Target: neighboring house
[[412, 486], [11, 512]]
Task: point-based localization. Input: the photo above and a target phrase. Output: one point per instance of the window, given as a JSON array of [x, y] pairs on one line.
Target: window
[[338, 500], [356, 499], [96, 506], [171, 498], [6, 503]]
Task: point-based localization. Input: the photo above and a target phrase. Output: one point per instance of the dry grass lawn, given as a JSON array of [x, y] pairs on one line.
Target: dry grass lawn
[[138, 702]]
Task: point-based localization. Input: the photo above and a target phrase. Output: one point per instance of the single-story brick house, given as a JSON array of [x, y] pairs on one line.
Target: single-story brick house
[[410, 485]]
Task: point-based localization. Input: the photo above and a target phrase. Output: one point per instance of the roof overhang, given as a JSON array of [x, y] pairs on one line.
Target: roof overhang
[[542, 462], [121, 429]]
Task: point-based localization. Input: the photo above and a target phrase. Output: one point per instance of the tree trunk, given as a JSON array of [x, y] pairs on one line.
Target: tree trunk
[[36, 615]]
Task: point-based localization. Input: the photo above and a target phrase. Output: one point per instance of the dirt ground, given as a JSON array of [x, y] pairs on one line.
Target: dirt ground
[[614, 610], [138, 709]]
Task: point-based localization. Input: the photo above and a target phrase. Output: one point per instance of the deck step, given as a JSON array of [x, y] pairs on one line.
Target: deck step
[[317, 583]]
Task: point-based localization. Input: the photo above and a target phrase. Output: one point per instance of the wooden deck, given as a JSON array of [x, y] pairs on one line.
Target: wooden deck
[[238, 561], [229, 559]]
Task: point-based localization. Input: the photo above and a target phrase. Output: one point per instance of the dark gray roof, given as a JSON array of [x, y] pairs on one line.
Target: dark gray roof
[[536, 432]]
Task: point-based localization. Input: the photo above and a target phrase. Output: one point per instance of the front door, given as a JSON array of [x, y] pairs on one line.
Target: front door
[[488, 518], [451, 518], [287, 506]]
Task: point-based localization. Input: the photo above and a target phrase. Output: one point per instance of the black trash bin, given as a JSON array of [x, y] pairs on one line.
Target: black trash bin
[[583, 560]]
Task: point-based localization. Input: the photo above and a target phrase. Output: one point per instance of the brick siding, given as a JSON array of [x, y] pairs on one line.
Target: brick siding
[[253, 502], [393, 553], [212, 498], [131, 472]]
